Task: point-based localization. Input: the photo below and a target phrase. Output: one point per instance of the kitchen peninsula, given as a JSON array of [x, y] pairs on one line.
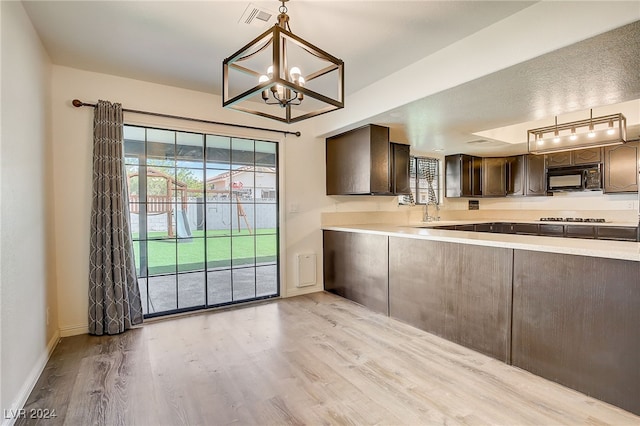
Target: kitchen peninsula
[[563, 308]]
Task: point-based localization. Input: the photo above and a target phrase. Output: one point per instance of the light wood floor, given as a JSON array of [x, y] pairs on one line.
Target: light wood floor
[[316, 359]]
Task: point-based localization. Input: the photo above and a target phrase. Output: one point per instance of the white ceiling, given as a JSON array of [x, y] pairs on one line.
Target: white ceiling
[[183, 44]]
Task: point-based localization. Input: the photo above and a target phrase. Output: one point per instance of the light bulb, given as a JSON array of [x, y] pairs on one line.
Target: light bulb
[[295, 73], [270, 72], [611, 131], [301, 81], [573, 136], [540, 141], [591, 134], [556, 139], [263, 78]]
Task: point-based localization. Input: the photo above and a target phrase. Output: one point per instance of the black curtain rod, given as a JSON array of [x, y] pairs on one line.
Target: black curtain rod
[[78, 103]]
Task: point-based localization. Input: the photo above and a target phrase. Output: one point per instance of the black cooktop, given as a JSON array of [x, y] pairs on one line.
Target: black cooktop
[[572, 219]]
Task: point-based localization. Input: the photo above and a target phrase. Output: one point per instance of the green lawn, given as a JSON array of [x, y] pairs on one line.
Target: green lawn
[[223, 248]]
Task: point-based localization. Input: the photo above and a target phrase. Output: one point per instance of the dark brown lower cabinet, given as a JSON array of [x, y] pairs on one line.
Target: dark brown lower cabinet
[[461, 292], [356, 268], [571, 319], [576, 321]]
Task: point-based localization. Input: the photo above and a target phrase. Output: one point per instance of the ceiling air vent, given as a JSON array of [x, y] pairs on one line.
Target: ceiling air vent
[[486, 142], [257, 16]]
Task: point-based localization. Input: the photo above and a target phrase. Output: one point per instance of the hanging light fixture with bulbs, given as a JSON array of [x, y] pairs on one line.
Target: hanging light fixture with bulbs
[[588, 133], [266, 76]]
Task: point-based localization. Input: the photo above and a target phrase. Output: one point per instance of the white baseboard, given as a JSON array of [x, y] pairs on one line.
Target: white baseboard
[[30, 382], [74, 330]]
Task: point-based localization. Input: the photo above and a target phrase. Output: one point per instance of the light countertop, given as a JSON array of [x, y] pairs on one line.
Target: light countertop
[[583, 247]]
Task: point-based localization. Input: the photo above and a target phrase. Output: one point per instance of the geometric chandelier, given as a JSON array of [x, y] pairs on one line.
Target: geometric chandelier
[[280, 76], [588, 133]]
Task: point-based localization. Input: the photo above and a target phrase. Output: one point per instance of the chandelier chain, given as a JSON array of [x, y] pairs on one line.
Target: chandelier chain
[[283, 18]]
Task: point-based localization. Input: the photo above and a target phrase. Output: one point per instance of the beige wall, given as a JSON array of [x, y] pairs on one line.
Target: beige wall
[[27, 261], [301, 167]]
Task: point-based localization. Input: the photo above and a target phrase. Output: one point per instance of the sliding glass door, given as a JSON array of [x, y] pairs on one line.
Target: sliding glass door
[[204, 215]]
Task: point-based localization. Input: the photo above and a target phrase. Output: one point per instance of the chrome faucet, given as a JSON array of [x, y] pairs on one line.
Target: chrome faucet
[[429, 218]]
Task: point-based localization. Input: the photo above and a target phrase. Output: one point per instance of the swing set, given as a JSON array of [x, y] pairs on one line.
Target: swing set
[[177, 193]]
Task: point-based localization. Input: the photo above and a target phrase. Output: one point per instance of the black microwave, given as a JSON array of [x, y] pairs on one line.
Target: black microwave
[[583, 178]]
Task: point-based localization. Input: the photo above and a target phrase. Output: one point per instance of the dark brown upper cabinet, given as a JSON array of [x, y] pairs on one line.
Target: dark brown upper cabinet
[[574, 158], [494, 177], [587, 156], [400, 169], [463, 176], [526, 175], [621, 164], [363, 162]]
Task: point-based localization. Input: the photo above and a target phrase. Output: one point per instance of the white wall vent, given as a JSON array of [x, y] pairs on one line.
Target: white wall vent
[[258, 16], [306, 270]]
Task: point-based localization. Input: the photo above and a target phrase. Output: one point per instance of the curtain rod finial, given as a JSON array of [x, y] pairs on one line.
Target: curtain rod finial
[[76, 103]]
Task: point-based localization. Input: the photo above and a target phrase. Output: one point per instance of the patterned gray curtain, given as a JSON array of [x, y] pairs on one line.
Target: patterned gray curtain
[[114, 296], [428, 170]]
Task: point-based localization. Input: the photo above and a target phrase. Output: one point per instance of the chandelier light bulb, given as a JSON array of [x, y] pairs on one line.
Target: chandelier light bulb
[[611, 130], [270, 72], [592, 133], [573, 136], [263, 78], [556, 139], [294, 73]]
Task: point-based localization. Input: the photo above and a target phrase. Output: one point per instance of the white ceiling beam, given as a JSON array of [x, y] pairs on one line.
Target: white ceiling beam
[[534, 31]]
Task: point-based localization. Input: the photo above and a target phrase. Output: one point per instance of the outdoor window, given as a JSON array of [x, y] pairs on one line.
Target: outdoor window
[[204, 218], [424, 181]]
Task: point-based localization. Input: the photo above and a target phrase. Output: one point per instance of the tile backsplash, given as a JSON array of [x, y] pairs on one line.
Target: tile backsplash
[[622, 208]]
